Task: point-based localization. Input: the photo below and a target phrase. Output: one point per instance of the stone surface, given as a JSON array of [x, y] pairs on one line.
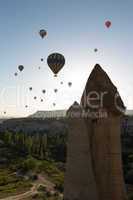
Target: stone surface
[[106, 156], [79, 178], [94, 165], [101, 92]]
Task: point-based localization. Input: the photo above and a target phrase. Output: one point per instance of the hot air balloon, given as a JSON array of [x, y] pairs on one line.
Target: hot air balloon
[[42, 33], [69, 84], [41, 100], [55, 90], [39, 67], [26, 106], [61, 83], [15, 74], [20, 67], [35, 97], [44, 91], [41, 59], [30, 88], [95, 50], [54, 104], [56, 61], [108, 24]]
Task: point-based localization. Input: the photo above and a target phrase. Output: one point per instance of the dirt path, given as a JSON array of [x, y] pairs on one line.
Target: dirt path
[[32, 191], [42, 180]]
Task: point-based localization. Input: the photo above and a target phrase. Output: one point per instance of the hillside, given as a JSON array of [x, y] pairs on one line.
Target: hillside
[[40, 121], [49, 114], [30, 125]]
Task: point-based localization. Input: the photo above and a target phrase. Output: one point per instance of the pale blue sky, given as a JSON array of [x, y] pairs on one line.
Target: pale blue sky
[[75, 28]]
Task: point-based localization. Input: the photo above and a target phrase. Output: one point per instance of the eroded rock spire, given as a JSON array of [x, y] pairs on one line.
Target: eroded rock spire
[[100, 93]]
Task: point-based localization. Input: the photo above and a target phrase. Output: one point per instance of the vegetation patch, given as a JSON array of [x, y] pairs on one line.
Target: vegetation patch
[[11, 185]]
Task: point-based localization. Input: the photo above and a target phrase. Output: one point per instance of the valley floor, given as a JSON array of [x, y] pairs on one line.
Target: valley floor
[[42, 180]]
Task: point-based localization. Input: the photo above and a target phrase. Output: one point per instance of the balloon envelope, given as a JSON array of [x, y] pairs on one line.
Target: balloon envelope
[[108, 24], [55, 90], [42, 33], [56, 62], [15, 73], [44, 91], [20, 67], [95, 49], [69, 84]]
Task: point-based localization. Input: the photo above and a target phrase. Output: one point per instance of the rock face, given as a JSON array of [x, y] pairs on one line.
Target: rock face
[[106, 154], [80, 182], [94, 167], [100, 92]]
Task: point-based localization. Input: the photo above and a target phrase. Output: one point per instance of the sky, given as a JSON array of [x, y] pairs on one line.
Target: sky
[[75, 28]]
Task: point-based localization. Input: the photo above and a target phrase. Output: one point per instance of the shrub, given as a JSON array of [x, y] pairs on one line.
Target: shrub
[[29, 164], [41, 188], [129, 177]]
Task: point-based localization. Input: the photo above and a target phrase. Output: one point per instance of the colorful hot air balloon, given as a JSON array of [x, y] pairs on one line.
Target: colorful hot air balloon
[[56, 61], [43, 91], [108, 24], [69, 84], [20, 67], [42, 33], [55, 90], [15, 74]]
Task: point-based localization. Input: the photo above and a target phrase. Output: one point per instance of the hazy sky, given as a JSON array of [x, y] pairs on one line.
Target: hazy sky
[[75, 28]]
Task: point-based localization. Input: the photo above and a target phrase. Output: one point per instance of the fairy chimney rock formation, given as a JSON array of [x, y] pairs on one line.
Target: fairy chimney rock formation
[[79, 178], [100, 93], [94, 166], [101, 96]]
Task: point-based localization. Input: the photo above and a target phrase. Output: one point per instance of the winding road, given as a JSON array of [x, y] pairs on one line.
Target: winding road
[[42, 180]]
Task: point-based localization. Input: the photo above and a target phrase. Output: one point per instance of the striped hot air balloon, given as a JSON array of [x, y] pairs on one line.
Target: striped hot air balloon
[[56, 62]]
